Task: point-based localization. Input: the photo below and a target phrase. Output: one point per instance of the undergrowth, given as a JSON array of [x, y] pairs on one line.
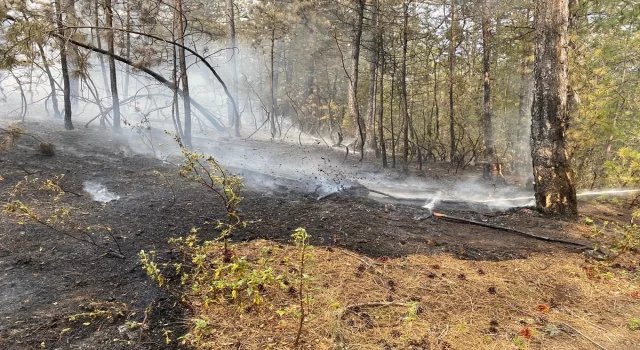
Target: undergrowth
[[211, 273], [56, 217]]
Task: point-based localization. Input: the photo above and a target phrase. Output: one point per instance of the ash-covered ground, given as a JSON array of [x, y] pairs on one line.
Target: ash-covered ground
[[48, 278]]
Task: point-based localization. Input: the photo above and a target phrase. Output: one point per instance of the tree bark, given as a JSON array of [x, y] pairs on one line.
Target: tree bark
[[183, 74], [553, 178], [115, 102], [354, 109], [486, 63], [68, 124]]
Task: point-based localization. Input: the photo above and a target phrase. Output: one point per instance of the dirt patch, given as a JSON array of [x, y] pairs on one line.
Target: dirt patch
[[50, 278]]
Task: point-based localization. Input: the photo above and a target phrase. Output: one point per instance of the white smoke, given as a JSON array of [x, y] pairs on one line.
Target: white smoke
[[99, 192]]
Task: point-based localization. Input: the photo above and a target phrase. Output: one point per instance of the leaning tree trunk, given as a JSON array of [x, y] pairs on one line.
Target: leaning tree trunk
[[208, 115], [115, 102], [66, 85], [486, 63], [183, 74], [553, 178], [354, 110]]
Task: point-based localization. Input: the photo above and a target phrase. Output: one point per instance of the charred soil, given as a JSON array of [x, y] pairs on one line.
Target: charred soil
[[61, 293]]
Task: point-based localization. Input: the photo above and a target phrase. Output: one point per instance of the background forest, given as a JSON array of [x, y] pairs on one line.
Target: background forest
[[416, 80]]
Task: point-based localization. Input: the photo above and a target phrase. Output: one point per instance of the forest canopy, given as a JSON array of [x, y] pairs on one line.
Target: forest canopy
[[411, 81]]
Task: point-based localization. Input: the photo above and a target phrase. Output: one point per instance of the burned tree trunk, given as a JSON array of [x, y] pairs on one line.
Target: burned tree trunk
[[554, 188], [66, 85], [112, 67]]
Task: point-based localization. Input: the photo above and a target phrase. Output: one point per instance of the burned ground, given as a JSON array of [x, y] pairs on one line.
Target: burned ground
[[48, 278]]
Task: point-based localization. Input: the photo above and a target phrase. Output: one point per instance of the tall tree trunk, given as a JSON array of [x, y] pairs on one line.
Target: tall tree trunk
[[354, 109], [435, 100], [127, 54], [393, 137], [175, 107], [524, 111], [183, 73], [554, 188], [52, 83], [73, 58], [486, 63], [373, 81], [617, 112], [452, 63], [68, 125], [234, 120], [112, 67], [403, 87], [383, 146], [103, 68], [273, 83]]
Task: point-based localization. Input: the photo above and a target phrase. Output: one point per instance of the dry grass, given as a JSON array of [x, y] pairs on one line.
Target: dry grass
[[544, 302]]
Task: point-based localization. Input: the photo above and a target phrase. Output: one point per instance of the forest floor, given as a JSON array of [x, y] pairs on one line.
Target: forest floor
[[470, 286]]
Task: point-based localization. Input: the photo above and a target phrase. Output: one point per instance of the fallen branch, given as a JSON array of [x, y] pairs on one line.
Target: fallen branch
[[584, 336], [192, 51], [507, 229], [213, 120]]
